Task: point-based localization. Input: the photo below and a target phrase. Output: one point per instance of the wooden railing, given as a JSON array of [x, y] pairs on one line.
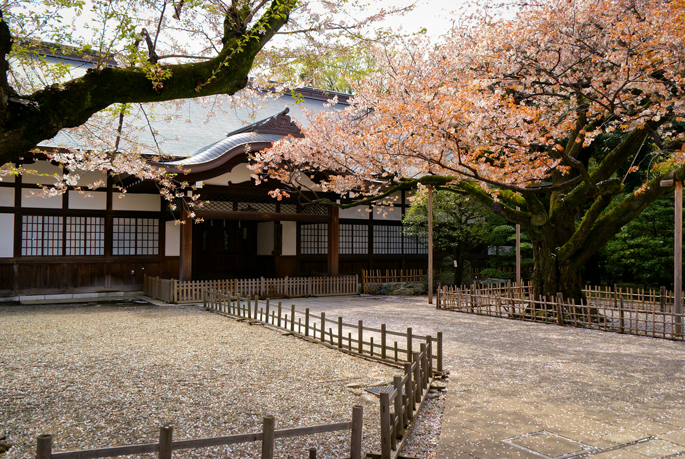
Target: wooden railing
[[166, 446], [399, 407], [351, 338], [617, 310], [372, 279], [409, 390], [173, 291]]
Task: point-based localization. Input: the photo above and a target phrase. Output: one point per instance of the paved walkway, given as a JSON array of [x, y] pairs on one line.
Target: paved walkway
[[524, 390]]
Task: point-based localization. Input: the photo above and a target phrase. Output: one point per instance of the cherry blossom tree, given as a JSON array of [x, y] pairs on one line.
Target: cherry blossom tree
[[515, 110], [151, 51]]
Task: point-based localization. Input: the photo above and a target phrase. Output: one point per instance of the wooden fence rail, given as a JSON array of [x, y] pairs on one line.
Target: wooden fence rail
[[376, 343], [617, 310], [372, 279], [166, 445], [173, 291]]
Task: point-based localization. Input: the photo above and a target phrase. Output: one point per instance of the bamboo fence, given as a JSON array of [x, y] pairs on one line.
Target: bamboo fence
[[372, 279], [173, 291], [166, 445], [409, 391], [375, 343], [632, 311]]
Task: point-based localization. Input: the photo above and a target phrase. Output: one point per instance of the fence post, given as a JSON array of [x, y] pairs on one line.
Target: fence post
[[323, 327], [267, 311], [399, 424], [417, 378], [360, 335], [620, 314], [409, 340], [429, 358], [385, 425], [306, 322], [408, 393], [356, 440], [437, 297], [424, 366], [662, 294], [269, 424], [44, 447], [279, 314], [560, 308], [340, 332], [165, 438], [439, 351], [383, 337]]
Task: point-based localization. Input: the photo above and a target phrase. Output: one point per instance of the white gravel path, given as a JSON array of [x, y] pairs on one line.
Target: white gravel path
[[99, 375]]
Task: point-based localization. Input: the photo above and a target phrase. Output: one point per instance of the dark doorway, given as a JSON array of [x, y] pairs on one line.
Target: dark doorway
[[225, 249]]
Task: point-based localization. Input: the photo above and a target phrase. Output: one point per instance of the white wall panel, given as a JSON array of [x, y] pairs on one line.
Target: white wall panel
[[359, 212], [172, 239], [289, 239], [7, 230], [33, 202], [97, 201], [43, 174], [130, 201], [6, 197], [238, 174]]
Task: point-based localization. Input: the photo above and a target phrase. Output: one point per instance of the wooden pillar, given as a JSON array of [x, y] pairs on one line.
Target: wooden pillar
[[518, 251], [334, 242], [186, 263], [430, 244], [678, 258]]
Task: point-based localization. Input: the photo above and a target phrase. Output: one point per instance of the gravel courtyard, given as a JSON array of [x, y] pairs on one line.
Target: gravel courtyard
[[98, 375]]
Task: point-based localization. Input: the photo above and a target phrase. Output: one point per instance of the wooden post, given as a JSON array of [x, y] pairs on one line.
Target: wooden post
[[356, 440], [409, 412], [186, 261], [292, 318], [662, 299], [417, 377], [383, 337], [306, 322], [424, 366], [333, 242], [279, 314], [44, 446], [518, 250], [409, 340], [268, 437], [439, 350], [165, 438], [429, 358], [678, 260], [267, 310], [385, 426], [399, 427], [620, 315], [360, 335], [340, 332], [323, 327], [371, 345], [430, 245], [312, 453]]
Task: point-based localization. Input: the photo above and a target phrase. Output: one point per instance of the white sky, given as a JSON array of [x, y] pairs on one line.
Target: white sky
[[434, 15]]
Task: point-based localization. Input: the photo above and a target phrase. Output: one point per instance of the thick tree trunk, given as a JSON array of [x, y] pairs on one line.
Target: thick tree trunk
[[552, 276]]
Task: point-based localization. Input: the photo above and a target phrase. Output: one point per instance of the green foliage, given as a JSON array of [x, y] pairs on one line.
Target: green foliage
[[642, 251], [492, 273]]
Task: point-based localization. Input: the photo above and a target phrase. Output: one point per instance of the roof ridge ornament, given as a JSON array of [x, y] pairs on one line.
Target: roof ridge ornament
[[280, 123]]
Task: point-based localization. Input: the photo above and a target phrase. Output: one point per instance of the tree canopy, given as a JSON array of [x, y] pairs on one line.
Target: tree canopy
[[516, 111]]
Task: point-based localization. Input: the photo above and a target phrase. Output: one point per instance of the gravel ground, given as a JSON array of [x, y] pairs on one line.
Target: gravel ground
[[106, 375]]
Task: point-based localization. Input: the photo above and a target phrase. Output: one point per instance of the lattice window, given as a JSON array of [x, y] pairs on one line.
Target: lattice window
[[415, 245], [41, 235], [135, 236], [387, 240], [354, 239], [85, 236], [314, 239]]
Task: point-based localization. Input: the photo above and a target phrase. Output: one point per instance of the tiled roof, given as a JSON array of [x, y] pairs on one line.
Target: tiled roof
[[215, 150]]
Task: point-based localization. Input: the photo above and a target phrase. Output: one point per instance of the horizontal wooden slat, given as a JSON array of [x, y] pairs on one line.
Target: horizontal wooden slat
[[217, 441], [108, 452], [297, 431]]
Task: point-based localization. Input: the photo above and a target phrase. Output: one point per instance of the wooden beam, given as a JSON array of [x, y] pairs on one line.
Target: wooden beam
[[186, 262], [334, 243], [258, 216]]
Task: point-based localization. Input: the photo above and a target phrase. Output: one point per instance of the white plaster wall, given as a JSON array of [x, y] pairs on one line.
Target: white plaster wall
[[289, 238], [88, 177], [149, 202], [44, 173], [8, 178], [7, 230], [387, 213], [265, 238], [238, 174], [172, 239], [7, 197], [97, 201], [53, 202], [359, 212]]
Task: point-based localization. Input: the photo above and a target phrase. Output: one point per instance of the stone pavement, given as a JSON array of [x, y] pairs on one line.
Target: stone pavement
[[524, 390]]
